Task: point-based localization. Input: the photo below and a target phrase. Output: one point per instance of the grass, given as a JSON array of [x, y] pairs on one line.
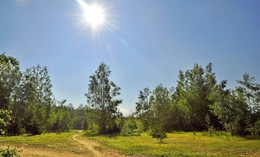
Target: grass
[[182, 144], [56, 141], [176, 144]]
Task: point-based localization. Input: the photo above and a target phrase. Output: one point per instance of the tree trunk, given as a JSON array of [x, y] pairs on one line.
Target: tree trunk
[[161, 140]]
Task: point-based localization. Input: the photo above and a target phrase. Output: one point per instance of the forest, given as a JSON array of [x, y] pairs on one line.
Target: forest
[[198, 103]]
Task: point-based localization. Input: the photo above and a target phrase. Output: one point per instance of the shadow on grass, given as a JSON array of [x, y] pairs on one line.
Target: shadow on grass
[[162, 143], [93, 134], [252, 137]]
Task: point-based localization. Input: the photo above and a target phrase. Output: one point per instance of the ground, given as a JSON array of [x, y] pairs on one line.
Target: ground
[[177, 144]]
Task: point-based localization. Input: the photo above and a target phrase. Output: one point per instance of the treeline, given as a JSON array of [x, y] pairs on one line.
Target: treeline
[[28, 98], [200, 103]]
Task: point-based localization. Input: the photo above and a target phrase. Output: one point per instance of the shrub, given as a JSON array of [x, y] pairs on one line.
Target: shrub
[[157, 133], [132, 127], [4, 120], [8, 152]]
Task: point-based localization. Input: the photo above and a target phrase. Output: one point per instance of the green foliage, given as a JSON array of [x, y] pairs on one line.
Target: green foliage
[[225, 106], [92, 119], [159, 114], [80, 121], [9, 152], [62, 118], [251, 94], [4, 120], [158, 133], [132, 127], [101, 96], [143, 106], [192, 101], [9, 79], [257, 127], [197, 103], [29, 96]]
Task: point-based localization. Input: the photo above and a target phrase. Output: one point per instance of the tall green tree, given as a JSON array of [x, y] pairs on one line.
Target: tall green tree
[[193, 95], [251, 91], [143, 106], [159, 115], [102, 96], [225, 106], [9, 79], [33, 101]]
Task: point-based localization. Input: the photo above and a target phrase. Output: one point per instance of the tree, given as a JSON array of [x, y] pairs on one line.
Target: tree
[[101, 96], [160, 113], [251, 92], [225, 106], [193, 97], [79, 119], [143, 106], [92, 118], [9, 79], [33, 100], [131, 127]]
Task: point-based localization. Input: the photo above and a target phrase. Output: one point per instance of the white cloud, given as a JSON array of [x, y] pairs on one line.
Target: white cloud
[[125, 111]]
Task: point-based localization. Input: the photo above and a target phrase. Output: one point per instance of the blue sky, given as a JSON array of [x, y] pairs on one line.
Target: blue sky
[[145, 43]]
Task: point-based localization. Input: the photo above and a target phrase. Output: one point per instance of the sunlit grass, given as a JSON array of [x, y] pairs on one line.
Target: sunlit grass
[[176, 144], [56, 141], [183, 144]]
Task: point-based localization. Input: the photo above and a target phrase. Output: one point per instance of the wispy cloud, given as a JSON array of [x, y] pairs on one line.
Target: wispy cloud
[[21, 2]]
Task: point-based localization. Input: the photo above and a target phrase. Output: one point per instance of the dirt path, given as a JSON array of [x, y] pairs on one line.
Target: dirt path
[[90, 145], [94, 148]]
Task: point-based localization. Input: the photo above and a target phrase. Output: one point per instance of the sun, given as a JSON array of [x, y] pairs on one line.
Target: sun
[[93, 14]]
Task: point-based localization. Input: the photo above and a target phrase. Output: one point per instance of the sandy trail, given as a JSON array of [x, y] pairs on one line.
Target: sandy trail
[[90, 145]]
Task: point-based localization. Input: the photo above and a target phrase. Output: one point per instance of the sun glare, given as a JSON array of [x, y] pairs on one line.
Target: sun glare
[[93, 14]]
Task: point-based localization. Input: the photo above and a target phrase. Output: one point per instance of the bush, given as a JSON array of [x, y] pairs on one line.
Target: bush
[[4, 120], [8, 152], [157, 133], [132, 127]]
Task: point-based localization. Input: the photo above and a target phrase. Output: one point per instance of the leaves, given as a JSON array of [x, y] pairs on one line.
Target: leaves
[[101, 96]]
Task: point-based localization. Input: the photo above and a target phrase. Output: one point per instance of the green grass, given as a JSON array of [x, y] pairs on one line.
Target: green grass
[[182, 144], [177, 144], [56, 141]]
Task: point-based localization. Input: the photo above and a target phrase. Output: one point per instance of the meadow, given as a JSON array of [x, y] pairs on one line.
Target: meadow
[[176, 144], [182, 144]]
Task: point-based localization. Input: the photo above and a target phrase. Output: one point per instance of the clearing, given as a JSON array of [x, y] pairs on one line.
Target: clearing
[[76, 144]]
